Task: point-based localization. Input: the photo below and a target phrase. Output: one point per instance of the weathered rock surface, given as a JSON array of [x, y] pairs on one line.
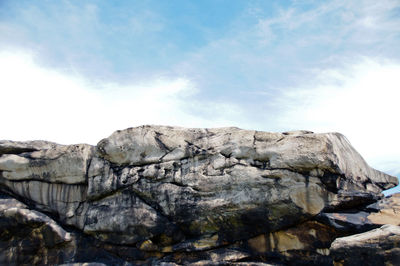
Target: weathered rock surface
[[30, 237], [377, 247], [156, 194], [384, 211]]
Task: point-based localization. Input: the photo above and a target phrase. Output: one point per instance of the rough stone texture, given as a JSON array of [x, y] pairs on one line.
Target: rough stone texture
[[156, 194], [17, 147], [384, 211], [30, 237], [377, 247]]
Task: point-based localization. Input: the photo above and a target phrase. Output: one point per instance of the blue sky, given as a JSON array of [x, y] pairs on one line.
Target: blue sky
[[75, 71]]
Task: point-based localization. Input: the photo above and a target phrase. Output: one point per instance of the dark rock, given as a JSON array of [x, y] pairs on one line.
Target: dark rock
[[30, 237]]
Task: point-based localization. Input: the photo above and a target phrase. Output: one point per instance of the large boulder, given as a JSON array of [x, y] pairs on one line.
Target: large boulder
[[170, 193]]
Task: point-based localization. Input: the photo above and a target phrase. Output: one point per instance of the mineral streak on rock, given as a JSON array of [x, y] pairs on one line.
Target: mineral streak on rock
[[155, 194]]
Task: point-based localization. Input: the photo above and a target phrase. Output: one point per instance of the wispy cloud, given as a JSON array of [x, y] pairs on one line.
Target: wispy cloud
[[281, 47], [101, 40]]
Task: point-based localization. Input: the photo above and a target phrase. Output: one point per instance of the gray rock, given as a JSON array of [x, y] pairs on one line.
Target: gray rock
[[154, 191], [30, 237], [60, 164], [225, 180], [384, 211], [17, 147], [305, 152], [376, 247]]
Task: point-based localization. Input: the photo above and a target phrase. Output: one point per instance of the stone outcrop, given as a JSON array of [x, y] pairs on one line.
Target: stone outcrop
[[158, 195]]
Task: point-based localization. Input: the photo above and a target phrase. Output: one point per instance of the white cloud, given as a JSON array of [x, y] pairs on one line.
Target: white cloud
[[38, 103]]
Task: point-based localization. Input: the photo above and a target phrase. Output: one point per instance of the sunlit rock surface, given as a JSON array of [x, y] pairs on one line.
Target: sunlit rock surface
[[156, 194]]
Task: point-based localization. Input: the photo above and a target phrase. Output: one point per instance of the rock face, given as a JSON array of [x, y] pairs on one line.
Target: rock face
[[155, 194]]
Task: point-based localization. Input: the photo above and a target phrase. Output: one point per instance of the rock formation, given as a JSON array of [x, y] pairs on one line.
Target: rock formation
[[158, 195]]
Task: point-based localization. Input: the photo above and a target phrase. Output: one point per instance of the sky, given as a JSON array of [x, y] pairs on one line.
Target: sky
[[75, 71]]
